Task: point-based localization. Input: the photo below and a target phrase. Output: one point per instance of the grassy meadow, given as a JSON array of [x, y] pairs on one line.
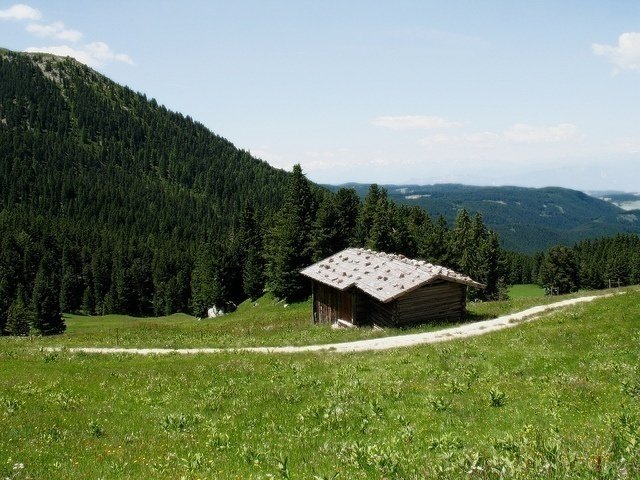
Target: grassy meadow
[[526, 291], [262, 323], [554, 398]]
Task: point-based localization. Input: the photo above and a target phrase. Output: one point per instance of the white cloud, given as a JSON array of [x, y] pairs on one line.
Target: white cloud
[[625, 55], [440, 139], [19, 12], [413, 122], [55, 30], [524, 133], [483, 139], [627, 146], [520, 133], [94, 54]]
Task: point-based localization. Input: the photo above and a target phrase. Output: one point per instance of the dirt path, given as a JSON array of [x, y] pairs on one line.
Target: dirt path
[[385, 343]]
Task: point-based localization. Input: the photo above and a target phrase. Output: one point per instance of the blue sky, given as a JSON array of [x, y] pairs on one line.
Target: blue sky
[[479, 92]]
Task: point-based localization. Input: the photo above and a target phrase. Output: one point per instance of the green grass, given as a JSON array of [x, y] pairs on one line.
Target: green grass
[[263, 323], [526, 291], [555, 398]]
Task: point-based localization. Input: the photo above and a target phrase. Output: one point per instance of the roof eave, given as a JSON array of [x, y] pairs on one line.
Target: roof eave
[[328, 283]]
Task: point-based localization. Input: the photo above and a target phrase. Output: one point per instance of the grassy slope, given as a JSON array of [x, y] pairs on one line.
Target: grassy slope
[[526, 291], [572, 408], [268, 324]]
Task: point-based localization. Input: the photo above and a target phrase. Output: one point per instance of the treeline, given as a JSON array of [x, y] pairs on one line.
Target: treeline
[[589, 264], [79, 270], [49, 266]]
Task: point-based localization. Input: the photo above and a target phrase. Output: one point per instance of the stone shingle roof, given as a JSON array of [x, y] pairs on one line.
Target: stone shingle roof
[[384, 276]]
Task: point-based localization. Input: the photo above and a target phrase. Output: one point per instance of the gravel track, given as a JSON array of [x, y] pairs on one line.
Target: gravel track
[[385, 343]]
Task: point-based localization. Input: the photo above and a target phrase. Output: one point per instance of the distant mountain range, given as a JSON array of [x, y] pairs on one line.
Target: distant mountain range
[[624, 200], [527, 219]]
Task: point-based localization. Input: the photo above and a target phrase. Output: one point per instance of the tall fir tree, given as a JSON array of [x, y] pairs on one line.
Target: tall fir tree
[[367, 215], [252, 244], [326, 238], [207, 289], [462, 248], [434, 244], [288, 248], [70, 285], [48, 319], [381, 236], [347, 206], [20, 318], [10, 275]]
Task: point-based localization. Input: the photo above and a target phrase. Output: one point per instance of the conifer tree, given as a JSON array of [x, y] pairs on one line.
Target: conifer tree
[[206, 288], [70, 287], [404, 230], [462, 248], [10, 275], [88, 305], [253, 275], [326, 238], [20, 317], [289, 241], [559, 271], [489, 269], [435, 245], [367, 215], [46, 298], [253, 267], [381, 233], [347, 206]]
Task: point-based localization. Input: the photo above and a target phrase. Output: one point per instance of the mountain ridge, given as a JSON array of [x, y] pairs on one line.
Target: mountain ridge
[[527, 219], [109, 129]]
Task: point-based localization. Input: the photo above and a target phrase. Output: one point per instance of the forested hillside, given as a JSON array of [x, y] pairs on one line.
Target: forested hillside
[[527, 219], [106, 193]]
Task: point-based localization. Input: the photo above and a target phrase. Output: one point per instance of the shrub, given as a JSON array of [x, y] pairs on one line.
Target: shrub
[[497, 398]]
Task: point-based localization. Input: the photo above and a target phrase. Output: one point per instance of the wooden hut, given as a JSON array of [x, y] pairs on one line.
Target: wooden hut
[[363, 287]]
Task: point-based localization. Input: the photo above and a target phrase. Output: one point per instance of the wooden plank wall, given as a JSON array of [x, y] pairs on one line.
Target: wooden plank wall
[[360, 309], [369, 311], [437, 302], [330, 304]]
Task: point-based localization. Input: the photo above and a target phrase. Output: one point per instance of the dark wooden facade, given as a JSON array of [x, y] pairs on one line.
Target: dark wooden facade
[[440, 301], [330, 304]]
